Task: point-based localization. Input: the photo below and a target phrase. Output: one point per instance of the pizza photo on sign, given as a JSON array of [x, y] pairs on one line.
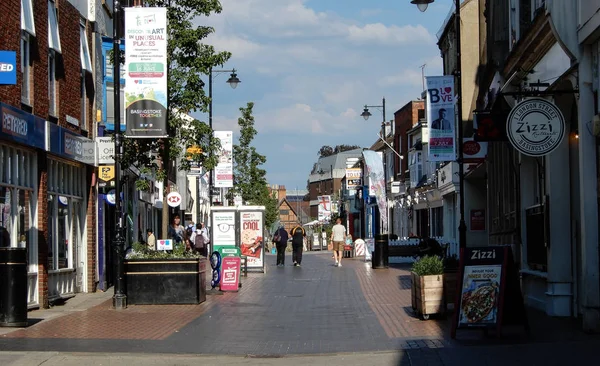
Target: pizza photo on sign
[[251, 245], [479, 297]]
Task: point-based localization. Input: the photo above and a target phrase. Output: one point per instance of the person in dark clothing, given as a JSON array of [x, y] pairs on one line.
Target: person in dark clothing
[[280, 239], [298, 235]]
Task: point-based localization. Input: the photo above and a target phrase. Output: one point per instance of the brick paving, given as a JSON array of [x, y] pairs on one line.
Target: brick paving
[[315, 309]]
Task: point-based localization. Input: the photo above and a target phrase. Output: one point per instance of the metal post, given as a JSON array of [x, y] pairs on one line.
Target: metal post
[[119, 297], [462, 227], [210, 113]]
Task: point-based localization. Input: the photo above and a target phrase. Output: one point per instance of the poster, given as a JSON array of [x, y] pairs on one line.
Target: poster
[[230, 273], [251, 237], [479, 295], [478, 220], [376, 175], [324, 208], [223, 228], [224, 170], [166, 244], [441, 118], [146, 72]]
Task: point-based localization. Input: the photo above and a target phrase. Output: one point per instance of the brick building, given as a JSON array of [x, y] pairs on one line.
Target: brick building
[[47, 153]]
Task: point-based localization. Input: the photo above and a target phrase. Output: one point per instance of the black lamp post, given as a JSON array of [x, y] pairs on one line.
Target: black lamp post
[[233, 81], [119, 297], [462, 227]]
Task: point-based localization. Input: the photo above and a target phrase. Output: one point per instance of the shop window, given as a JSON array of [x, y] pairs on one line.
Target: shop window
[[437, 221], [415, 167]]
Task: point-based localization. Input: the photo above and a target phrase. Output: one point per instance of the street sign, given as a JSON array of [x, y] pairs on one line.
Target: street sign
[[173, 199], [107, 172]]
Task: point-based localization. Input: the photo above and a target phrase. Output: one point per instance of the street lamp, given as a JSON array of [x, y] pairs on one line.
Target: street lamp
[[462, 227], [119, 297], [233, 81], [366, 114]]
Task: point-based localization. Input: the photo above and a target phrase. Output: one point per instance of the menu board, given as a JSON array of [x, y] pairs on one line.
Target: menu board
[[489, 293]]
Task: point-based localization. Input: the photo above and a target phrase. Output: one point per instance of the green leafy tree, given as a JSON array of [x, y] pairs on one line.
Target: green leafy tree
[[250, 178], [189, 62]]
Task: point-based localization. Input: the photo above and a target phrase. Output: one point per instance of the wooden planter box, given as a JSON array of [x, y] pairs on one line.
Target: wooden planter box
[[165, 281], [450, 279], [427, 294]]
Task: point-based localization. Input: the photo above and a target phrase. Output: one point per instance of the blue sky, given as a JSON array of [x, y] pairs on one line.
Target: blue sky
[[310, 66]]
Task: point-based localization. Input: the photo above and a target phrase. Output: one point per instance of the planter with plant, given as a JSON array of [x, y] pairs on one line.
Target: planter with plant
[[450, 278], [161, 277], [428, 286]]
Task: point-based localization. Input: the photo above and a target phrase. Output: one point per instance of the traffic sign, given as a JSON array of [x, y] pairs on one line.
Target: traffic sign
[[107, 172], [173, 199]]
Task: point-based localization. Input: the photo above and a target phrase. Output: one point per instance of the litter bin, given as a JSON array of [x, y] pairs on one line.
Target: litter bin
[[380, 254], [13, 287]]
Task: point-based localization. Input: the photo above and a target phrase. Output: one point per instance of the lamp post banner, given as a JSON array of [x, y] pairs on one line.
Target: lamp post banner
[[441, 118], [146, 72], [377, 179], [224, 169]]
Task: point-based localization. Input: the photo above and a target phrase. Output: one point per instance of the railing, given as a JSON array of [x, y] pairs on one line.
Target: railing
[[61, 283], [452, 247]]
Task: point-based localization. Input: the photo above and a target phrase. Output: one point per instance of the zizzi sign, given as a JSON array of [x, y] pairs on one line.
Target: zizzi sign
[[535, 127]]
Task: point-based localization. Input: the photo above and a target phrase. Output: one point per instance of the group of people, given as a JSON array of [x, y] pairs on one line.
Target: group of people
[[195, 238], [297, 233]]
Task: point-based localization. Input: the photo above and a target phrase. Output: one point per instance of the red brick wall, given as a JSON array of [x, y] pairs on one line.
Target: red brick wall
[[43, 230], [91, 232], [404, 119], [9, 41]]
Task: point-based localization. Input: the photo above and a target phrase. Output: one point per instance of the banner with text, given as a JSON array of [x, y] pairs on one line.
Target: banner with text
[[441, 118], [353, 178], [374, 164], [146, 72], [224, 170]]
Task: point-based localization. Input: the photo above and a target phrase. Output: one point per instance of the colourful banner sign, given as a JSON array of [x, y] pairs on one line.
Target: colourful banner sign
[[377, 182], [441, 118], [146, 72], [230, 273], [353, 178], [8, 67], [224, 170], [251, 237], [324, 208]]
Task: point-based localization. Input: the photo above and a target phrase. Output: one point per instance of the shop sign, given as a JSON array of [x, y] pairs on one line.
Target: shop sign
[[535, 127], [230, 273], [22, 127], [105, 150], [107, 172], [164, 244], [8, 68], [70, 145], [173, 199], [353, 178]]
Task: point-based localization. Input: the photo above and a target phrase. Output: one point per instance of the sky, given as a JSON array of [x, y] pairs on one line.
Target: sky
[[310, 66]]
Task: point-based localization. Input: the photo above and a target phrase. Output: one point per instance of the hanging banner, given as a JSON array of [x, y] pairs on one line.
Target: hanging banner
[[224, 170], [324, 208], [146, 72], [251, 237], [377, 182], [441, 118], [353, 178]]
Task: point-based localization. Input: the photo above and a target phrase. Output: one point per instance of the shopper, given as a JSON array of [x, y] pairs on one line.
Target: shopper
[[298, 235], [151, 239], [280, 239], [338, 239]]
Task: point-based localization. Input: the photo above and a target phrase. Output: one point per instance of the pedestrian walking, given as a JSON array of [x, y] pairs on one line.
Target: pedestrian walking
[[298, 235], [176, 231], [280, 239], [338, 239]]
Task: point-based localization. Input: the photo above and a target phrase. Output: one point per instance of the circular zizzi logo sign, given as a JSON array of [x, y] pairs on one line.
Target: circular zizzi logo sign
[[535, 127]]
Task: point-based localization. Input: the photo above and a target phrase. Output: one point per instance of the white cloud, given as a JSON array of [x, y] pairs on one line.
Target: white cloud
[[382, 34], [370, 12]]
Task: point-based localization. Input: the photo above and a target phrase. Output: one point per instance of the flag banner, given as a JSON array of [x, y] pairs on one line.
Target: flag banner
[[377, 182], [441, 119], [146, 72], [224, 170]]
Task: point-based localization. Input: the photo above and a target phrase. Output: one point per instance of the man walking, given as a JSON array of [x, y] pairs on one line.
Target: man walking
[[338, 238], [280, 239], [298, 235]]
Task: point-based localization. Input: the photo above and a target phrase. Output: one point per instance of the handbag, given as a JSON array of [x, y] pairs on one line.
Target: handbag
[[276, 238]]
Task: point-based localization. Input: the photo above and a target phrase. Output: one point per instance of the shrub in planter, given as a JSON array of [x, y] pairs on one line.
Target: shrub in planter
[[428, 286]]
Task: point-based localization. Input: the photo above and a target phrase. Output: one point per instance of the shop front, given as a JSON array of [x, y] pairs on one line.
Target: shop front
[[21, 138], [70, 172]]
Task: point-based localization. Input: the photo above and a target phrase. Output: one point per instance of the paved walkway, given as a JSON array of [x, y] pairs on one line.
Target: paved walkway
[[314, 309]]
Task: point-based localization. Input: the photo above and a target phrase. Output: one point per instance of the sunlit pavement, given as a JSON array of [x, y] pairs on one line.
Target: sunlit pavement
[[314, 314]]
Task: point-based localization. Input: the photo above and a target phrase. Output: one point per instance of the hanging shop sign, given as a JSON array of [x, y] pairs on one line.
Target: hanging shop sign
[[353, 178], [441, 118], [489, 291], [67, 144], [106, 172], [105, 150], [146, 72], [173, 199], [22, 127], [8, 68], [535, 127]]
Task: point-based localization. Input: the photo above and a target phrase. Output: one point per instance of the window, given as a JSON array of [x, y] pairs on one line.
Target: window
[[415, 167], [53, 35], [52, 84], [84, 110], [27, 23], [110, 104], [25, 68], [284, 212], [437, 221], [53, 49]]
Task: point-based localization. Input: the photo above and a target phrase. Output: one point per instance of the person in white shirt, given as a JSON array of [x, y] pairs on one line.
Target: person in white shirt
[[338, 238]]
